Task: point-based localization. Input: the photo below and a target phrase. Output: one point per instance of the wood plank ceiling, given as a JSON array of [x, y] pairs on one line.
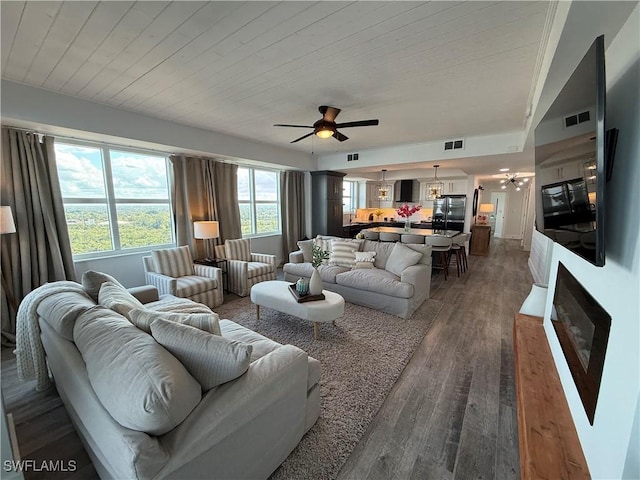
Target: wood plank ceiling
[[427, 70]]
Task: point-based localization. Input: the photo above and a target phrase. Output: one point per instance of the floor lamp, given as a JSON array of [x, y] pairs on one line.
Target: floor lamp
[[206, 230], [7, 226]]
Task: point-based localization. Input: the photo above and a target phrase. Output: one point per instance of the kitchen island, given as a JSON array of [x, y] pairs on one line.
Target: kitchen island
[[425, 232]]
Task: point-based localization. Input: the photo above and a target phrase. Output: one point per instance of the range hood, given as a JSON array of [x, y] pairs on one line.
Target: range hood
[[407, 191]]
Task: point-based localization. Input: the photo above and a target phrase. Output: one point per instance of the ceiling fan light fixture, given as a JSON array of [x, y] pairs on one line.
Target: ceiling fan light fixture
[[325, 133]]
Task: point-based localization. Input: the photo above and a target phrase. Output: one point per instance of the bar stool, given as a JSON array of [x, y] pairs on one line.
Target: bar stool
[[389, 237], [458, 249], [371, 236], [410, 238], [441, 246]]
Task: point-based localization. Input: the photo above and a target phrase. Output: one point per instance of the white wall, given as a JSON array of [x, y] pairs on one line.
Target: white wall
[[608, 444]]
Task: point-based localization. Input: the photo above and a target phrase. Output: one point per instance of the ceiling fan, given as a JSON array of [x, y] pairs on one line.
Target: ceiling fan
[[327, 127]]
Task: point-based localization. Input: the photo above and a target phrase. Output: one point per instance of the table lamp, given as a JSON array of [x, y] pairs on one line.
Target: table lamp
[[7, 226], [205, 230], [485, 209]]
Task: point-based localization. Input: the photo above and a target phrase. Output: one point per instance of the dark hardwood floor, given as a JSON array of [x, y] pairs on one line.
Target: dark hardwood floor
[[451, 415]]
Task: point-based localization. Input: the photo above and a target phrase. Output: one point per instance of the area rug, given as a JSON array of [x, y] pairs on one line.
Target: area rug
[[362, 356]]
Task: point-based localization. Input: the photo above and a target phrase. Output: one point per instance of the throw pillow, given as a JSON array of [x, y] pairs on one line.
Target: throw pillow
[[208, 322], [305, 248], [239, 249], [365, 256], [211, 359], [343, 253], [400, 258], [116, 298], [359, 265], [173, 262], [92, 281]]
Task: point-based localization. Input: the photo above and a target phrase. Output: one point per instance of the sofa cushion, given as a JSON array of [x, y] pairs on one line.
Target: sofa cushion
[[425, 250], [343, 253], [209, 322], [173, 262], [376, 280], [92, 281], [401, 257], [138, 382], [256, 269], [239, 249], [211, 359], [382, 249], [305, 248], [190, 285], [117, 298], [60, 311], [364, 265]]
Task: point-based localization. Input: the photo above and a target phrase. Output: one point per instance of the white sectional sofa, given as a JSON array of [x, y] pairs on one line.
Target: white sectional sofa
[[244, 428], [398, 291]]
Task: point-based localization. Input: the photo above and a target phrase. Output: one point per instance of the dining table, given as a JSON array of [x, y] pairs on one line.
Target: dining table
[[425, 232]]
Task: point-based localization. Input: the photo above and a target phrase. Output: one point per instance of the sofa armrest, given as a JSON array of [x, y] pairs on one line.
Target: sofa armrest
[[145, 293], [417, 275], [296, 257], [264, 258], [208, 271], [273, 393], [163, 283]]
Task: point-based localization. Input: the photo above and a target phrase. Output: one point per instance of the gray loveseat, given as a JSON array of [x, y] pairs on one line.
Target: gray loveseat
[[399, 293], [240, 429]]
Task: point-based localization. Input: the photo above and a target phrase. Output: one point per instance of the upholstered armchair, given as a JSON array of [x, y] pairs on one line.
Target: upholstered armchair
[[172, 271], [245, 269]]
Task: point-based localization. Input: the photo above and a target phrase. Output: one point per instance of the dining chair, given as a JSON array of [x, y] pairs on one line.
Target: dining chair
[[411, 238], [440, 247], [389, 237]]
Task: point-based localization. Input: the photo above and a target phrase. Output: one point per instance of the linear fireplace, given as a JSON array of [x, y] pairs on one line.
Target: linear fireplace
[[582, 326]]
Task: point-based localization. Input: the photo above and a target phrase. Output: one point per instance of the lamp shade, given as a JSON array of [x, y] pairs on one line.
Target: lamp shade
[[205, 229], [6, 220], [486, 207]]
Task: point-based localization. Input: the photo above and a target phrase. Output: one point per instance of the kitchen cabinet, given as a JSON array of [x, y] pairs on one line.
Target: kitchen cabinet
[[560, 172], [326, 202], [455, 187], [480, 238]]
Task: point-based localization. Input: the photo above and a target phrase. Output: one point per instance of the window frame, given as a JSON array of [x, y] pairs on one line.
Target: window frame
[[252, 202], [353, 196], [111, 203]]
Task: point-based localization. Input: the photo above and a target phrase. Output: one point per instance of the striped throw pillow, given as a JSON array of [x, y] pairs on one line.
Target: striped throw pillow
[[211, 359], [208, 322], [173, 262], [238, 249], [343, 253]]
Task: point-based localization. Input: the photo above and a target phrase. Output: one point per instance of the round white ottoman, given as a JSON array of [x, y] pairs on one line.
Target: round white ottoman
[[275, 294]]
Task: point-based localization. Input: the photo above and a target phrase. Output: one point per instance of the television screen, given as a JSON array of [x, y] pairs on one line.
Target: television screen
[[570, 161]]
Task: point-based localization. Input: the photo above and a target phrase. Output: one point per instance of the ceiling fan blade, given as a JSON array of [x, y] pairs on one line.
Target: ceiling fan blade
[[302, 137], [295, 126], [329, 113], [360, 123], [340, 137]]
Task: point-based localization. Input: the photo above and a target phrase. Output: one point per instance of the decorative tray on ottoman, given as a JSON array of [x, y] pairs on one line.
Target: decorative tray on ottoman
[[304, 298]]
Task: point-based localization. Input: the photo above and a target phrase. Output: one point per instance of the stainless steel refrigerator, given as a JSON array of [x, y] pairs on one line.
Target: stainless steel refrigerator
[[448, 212]]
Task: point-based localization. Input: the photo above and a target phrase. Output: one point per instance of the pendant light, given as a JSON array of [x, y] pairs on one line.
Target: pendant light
[[383, 191], [435, 188]]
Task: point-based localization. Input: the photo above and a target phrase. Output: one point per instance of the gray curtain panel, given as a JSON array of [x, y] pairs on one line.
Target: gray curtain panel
[[40, 250], [204, 189], [292, 209]]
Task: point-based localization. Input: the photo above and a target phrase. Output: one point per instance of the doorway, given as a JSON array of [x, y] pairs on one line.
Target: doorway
[[499, 200]]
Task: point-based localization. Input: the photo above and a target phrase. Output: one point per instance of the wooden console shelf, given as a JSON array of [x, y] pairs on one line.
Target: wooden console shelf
[[549, 445]]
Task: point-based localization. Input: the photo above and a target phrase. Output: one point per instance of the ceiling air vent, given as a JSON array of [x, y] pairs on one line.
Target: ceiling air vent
[[576, 119], [454, 144], [352, 157]]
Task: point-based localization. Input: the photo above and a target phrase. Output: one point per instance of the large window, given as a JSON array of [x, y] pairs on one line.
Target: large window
[[114, 199], [259, 199], [349, 196]]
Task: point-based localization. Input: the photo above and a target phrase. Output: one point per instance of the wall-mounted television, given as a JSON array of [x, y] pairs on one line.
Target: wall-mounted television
[[571, 161]]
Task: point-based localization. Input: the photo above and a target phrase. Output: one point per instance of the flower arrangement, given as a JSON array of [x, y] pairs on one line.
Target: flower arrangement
[[406, 211], [318, 255], [359, 235], [378, 213]]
